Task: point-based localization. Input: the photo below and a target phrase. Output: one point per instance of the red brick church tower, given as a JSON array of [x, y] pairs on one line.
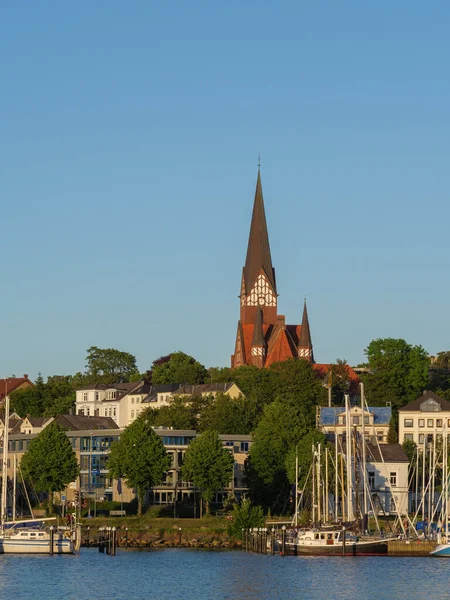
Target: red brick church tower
[[262, 336]]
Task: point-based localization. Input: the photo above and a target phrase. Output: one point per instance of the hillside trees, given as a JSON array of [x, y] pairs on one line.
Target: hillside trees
[[108, 365], [399, 372], [179, 368]]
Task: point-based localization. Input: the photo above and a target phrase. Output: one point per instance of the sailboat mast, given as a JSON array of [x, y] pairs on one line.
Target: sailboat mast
[[336, 477], [326, 484], [14, 487], [5, 461], [319, 477], [296, 486], [313, 486], [363, 438], [424, 458], [348, 459]]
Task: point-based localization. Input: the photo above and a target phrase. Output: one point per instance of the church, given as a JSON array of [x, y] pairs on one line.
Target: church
[[263, 338]]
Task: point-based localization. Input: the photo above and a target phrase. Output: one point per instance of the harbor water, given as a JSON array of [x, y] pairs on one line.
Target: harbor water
[[178, 574]]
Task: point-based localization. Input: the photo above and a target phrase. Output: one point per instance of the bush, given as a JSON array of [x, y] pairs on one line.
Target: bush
[[245, 516]]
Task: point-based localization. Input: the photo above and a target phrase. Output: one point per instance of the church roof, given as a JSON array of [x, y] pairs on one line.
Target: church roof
[[258, 250], [305, 335]]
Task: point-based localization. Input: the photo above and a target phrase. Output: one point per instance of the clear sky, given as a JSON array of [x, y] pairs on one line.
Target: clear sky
[[128, 160]]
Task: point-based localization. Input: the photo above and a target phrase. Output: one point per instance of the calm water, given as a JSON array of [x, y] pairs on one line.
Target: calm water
[[219, 575]]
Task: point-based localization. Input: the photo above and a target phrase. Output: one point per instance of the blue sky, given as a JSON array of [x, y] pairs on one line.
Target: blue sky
[[129, 141]]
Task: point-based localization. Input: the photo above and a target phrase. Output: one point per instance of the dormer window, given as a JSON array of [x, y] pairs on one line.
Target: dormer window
[[111, 394], [85, 396], [430, 405]]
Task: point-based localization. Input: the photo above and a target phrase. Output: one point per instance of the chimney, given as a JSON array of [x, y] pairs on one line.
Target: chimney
[[25, 376]]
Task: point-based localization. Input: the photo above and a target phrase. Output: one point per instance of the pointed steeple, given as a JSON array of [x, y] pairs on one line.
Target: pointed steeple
[[258, 250], [305, 347]]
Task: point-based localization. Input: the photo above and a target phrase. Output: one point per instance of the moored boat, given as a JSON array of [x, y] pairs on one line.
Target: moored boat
[[333, 543]]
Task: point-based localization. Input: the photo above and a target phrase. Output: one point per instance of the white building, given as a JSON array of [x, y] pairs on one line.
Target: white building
[[423, 418], [387, 472], [124, 402], [331, 420]]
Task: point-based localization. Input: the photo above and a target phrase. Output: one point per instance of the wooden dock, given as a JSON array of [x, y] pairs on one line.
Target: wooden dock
[[410, 547]]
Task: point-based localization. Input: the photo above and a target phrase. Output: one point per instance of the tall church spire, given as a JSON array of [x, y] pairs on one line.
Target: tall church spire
[[305, 347], [258, 250]]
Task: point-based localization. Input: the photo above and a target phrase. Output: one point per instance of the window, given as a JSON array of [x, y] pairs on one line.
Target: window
[[421, 422], [393, 478], [244, 446], [430, 422], [106, 412], [109, 412], [88, 411], [409, 436], [138, 400], [132, 399], [421, 438], [114, 411], [438, 422], [111, 394], [366, 420], [97, 396], [430, 405], [341, 420], [408, 423], [355, 420], [85, 396], [371, 476], [132, 414]]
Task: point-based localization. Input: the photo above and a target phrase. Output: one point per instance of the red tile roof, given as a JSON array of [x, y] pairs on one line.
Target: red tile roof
[[9, 384]]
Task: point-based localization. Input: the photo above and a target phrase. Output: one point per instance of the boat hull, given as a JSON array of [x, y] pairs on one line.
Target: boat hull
[[361, 548], [26, 546], [442, 550]]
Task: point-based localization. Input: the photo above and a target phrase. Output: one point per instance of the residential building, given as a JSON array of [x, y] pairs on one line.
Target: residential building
[[161, 395], [423, 418], [91, 439], [332, 420], [387, 471], [13, 384], [124, 402]]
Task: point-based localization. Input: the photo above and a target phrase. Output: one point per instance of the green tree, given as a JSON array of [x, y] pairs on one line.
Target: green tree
[[304, 450], [50, 462], [107, 365], [178, 414], [399, 372], [229, 415], [139, 457], [180, 368], [245, 516], [208, 465], [30, 401], [410, 449], [284, 423], [392, 437]]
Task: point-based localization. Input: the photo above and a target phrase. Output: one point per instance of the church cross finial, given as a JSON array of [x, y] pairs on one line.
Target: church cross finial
[[259, 160]]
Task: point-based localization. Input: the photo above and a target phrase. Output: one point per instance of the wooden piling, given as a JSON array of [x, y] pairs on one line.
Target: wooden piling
[[52, 537]]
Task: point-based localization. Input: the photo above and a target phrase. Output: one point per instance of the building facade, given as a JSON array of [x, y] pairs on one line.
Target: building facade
[[387, 472], [332, 420], [422, 419]]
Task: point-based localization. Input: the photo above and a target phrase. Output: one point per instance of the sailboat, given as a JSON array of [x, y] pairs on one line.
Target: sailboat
[[30, 536], [334, 539], [443, 547]]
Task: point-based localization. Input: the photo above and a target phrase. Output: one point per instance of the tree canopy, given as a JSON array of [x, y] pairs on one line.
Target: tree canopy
[[50, 462], [139, 457], [399, 372], [49, 399], [108, 365], [208, 465], [180, 368], [228, 415]]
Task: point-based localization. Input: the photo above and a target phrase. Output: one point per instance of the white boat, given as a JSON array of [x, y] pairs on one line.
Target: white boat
[[36, 541]]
